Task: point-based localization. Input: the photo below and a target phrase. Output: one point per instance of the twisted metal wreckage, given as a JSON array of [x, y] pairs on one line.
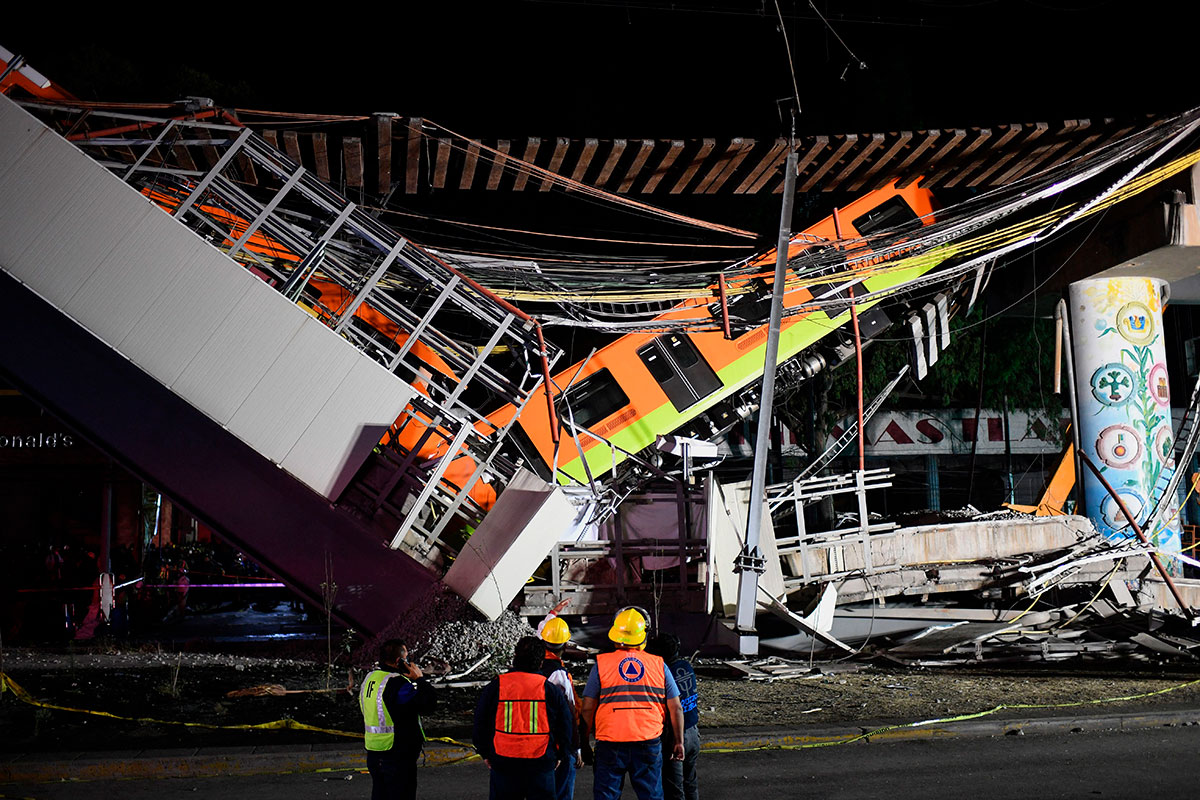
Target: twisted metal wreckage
[[599, 487]]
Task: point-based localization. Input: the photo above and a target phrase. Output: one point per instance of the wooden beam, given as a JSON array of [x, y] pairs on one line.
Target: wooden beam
[[561, 146], [880, 165], [493, 176], [353, 157], [610, 163], [502, 147], [639, 161], [706, 147], [585, 158], [246, 168], [850, 140], [1002, 160], [272, 137], [320, 143], [819, 144], [765, 167], [719, 165], [875, 143], [732, 166], [291, 146], [412, 158], [960, 172], [673, 151], [931, 136], [183, 156], [1040, 152], [468, 173], [957, 136], [532, 145], [443, 161], [383, 144]]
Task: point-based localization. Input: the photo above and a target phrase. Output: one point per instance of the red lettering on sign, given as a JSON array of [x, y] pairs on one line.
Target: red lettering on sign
[[929, 429], [895, 432]]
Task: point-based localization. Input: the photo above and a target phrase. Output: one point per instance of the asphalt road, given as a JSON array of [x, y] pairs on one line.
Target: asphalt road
[[1087, 764]]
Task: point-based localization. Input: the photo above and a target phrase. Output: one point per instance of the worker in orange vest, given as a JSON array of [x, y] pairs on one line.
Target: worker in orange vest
[[555, 634], [523, 728], [626, 701]]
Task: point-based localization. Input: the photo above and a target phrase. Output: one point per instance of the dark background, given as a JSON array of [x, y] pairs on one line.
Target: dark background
[[642, 68]]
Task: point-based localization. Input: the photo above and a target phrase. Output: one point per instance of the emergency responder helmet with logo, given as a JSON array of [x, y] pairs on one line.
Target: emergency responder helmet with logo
[[629, 627]]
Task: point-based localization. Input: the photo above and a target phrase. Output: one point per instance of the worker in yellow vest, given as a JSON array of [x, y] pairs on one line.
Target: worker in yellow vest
[[628, 697], [523, 728], [392, 699]]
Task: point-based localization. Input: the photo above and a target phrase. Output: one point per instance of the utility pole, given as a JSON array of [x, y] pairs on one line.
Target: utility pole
[[750, 562]]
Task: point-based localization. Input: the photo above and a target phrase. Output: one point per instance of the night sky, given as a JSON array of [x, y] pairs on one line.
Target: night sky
[[643, 68]]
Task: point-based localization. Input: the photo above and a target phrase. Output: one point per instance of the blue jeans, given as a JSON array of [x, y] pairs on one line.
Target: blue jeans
[[521, 782], [564, 779], [643, 762], [679, 777]]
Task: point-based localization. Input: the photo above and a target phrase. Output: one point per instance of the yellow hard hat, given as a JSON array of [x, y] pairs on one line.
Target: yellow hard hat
[[556, 631], [629, 627]]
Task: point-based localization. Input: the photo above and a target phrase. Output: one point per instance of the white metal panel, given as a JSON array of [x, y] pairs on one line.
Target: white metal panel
[[291, 392], [363, 405], [225, 370], [132, 276], [73, 222], [18, 130], [172, 330], [510, 543]]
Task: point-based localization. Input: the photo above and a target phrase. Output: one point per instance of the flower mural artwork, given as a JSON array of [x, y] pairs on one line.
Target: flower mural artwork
[[1124, 403]]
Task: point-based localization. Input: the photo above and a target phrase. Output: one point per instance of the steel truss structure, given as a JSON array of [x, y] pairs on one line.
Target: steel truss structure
[[411, 311]]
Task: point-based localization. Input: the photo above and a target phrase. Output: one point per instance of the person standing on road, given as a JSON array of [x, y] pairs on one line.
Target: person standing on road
[[628, 696], [680, 781], [523, 728], [392, 699], [555, 634]]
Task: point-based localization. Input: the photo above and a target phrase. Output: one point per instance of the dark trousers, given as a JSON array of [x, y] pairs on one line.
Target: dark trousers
[[393, 775], [643, 762], [679, 777], [564, 779], [534, 782]]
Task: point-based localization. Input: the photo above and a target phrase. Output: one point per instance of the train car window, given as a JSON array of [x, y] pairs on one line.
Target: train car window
[[595, 397], [891, 213], [683, 374]]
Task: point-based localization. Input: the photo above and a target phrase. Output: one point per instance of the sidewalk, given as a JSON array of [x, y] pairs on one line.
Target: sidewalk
[[268, 759]]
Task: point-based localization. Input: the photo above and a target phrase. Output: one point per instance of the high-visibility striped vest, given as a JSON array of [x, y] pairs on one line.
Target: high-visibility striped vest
[[522, 724], [379, 732], [633, 696]]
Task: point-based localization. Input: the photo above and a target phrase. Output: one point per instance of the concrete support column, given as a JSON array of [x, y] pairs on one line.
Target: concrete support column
[[1121, 384]]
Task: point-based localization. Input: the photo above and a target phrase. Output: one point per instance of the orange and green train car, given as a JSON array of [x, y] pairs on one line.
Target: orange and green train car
[[646, 384]]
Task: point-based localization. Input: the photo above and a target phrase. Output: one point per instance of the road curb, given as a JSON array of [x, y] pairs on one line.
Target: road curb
[[274, 759]]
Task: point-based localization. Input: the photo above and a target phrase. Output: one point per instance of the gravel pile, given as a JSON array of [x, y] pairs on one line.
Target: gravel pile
[[461, 643]]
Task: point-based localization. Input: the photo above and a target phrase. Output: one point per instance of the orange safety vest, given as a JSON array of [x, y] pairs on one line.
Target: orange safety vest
[[522, 724], [633, 696]]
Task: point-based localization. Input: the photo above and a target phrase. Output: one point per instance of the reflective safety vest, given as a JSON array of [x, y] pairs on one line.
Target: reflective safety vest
[[522, 724], [633, 696], [379, 733]]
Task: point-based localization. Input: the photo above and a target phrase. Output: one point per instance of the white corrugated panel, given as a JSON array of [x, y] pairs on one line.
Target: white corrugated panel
[[18, 130], [513, 539], [292, 391], [225, 370], [78, 219], [133, 275], [173, 329], [353, 420]]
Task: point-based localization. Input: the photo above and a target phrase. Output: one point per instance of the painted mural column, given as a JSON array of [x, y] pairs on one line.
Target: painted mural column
[[1124, 403]]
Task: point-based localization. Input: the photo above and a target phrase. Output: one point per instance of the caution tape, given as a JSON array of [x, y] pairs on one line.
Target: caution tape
[[9, 685], [941, 720]]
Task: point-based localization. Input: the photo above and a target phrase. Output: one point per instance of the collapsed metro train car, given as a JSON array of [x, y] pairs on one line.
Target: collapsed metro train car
[[696, 381]]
